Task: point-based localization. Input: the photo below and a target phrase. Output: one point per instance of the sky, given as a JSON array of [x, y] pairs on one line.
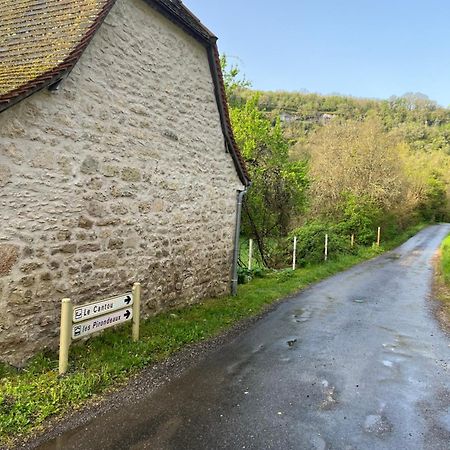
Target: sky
[[363, 48]]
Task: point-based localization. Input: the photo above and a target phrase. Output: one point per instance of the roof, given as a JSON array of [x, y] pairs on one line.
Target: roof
[[41, 41]]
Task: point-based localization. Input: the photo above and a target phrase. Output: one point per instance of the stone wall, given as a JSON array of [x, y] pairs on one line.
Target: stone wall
[[120, 176]]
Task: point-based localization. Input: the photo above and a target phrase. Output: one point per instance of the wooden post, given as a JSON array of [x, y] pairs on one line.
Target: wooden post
[[326, 247], [250, 253], [378, 236], [352, 240], [136, 291], [65, 334], [294, 253]]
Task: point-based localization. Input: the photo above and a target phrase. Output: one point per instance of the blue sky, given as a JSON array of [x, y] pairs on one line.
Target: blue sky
[[364, 48]]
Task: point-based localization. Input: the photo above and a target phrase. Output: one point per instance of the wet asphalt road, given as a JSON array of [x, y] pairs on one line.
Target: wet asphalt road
[[355, 362]]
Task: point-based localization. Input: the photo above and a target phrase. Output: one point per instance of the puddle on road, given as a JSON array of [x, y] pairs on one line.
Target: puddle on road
[[301, 315], [377, 424]]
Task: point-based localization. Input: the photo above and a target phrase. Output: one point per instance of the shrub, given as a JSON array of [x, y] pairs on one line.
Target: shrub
[[311, 242]]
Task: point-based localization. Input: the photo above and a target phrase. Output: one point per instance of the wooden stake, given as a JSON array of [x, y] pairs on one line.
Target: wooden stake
[[136, 292], [352, 240], [294, 253], [378, 236], [326, 247], [65, 334], [250, 253]]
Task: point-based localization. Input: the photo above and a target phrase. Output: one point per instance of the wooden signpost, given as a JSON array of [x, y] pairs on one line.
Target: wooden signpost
[[100, 308], [100, 323], [80, 321]]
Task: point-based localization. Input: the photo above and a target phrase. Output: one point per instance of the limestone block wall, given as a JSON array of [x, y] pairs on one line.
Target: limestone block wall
[[120, 176]]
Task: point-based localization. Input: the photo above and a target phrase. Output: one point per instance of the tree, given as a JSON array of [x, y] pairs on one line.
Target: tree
[[278, 191], [279, 185], [356, 171], [233, 80], [434, 205]]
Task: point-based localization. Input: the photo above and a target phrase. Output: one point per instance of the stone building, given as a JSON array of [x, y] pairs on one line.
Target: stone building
[[117, 162]]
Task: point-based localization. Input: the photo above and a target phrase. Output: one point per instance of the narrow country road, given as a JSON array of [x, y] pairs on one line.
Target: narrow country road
[[357, 361]]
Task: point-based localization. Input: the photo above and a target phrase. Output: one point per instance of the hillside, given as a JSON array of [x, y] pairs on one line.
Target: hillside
[[339, 165], [423, 124]]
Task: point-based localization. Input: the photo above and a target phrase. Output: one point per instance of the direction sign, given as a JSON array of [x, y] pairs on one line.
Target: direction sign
[[95, 309], [91, 326], [83, 320]]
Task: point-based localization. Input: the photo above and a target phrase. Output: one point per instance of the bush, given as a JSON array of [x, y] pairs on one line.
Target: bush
[[311, 242], [434, 208], [360, 217], [245, 275]]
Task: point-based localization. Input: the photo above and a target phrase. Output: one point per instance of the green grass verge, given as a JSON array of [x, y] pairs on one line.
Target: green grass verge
[[442, 283], [445, 259], [30, 396]]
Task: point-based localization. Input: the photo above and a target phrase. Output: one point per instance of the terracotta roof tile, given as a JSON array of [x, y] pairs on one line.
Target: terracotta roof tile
[[40, 40]]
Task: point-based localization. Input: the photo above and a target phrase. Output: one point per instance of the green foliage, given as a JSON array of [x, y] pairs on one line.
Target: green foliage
[[311, 242], [233, 81], [279, 185], [445, 260], [360, 217], [434, 207], [285, 275], [349, 165], [6, 370], [245, 275]]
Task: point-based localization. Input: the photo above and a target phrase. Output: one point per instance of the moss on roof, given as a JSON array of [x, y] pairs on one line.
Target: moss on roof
[[36, 36]]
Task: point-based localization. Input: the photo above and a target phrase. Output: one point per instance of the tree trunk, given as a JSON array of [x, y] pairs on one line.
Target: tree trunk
[[258, 238]]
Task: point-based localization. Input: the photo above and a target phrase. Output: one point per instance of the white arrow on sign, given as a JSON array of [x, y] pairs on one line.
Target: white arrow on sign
[[91, 310], [100, 323]]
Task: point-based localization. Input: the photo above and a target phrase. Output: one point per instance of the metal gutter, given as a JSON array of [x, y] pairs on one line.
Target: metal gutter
[[237, 233]]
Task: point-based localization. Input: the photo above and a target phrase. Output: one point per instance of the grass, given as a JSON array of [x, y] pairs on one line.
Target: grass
[[244, 253], [442, 282], [445, 260], [30, 396]]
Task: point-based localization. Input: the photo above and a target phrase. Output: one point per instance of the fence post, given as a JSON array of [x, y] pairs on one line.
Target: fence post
[[352, 240], [136, 292], [326, 247], [378, 236], [294, 253], [250, 253], [65, 334]]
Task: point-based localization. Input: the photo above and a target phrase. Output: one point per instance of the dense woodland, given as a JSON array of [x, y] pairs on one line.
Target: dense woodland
[[337, 165]]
